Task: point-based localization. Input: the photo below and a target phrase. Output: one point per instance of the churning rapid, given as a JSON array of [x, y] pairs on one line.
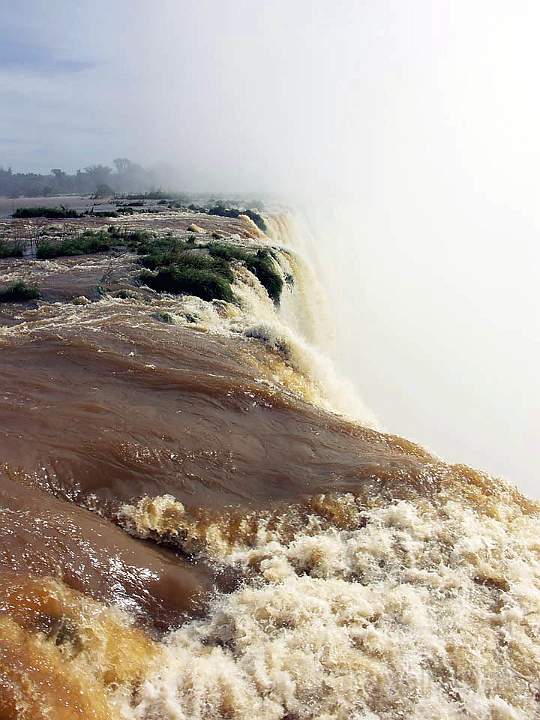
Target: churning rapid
[[200, 519]]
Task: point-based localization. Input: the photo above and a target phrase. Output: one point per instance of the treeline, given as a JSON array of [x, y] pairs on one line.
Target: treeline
[[99, 180]]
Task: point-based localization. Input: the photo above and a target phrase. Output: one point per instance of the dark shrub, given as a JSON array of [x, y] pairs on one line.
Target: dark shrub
[[8, 250], [227, 252], [167, 248], [262, 265], [182, 259], [46, 249], [152, 195], [18, 292], [141, 241], [152, 262], [46, 212], [104, 213], [190, 280]]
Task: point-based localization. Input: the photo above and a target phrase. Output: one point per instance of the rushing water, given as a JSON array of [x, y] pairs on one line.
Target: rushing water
[[200, 520]]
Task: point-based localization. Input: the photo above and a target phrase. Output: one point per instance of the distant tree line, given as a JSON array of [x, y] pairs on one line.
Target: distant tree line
[[100, 180]]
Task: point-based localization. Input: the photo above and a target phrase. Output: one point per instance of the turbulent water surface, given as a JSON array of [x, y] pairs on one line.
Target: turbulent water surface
[[200, 520]]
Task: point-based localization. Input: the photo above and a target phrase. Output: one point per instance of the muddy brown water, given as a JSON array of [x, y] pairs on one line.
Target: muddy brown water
[[98, 416], [102, 405]]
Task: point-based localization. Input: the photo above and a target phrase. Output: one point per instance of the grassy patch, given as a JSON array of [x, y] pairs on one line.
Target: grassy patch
[[53, 213], [8, 250], [18, 292], [141, 241], [260, 263], [182, 269], [180, 255], [103, 214], [227, 252], [166, 249], [86, 243], [190, 280]]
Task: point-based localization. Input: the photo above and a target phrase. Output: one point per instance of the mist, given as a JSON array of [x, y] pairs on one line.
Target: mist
[[406, 134]]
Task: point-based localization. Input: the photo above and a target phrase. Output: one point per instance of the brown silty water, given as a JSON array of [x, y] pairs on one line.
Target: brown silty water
[[104, 407]]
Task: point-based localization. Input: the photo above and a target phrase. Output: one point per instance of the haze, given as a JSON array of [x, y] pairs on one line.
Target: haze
[[406, 132]]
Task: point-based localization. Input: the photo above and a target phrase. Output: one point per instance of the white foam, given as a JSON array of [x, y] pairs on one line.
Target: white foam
[[423, 613]]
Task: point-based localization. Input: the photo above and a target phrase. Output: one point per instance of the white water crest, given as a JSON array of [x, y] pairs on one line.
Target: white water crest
[[423, 611], [311, 315]]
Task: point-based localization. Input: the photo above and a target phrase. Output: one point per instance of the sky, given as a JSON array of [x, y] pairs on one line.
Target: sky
[[407, 132]]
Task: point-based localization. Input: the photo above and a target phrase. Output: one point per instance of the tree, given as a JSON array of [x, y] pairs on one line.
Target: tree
[[122, 165], [98, 175]]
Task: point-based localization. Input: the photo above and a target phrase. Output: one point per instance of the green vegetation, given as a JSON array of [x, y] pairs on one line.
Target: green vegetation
[[181, 268], [46, 212], [171, 251], [142, 241], [191, 280], [104, 213], [263, 266], [8, 250], [228, 252], [260, 264], [171, 264], [86, 243], [18, 292]]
